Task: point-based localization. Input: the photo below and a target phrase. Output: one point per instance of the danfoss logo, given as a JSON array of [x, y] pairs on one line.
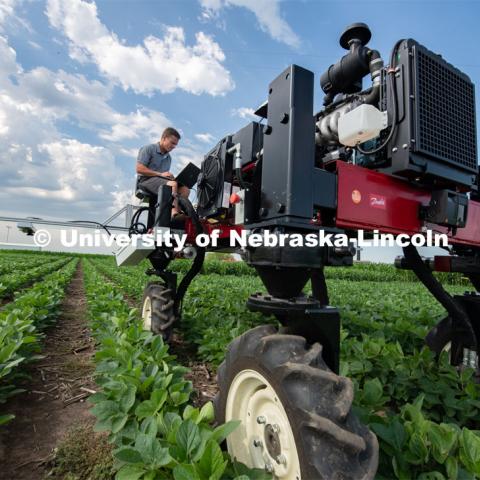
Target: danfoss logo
[[378, 201]]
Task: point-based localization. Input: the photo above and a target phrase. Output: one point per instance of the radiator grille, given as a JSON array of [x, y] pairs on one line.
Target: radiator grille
[[446, 112]]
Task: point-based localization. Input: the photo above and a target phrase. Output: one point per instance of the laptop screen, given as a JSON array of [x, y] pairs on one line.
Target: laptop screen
[[188, 176]]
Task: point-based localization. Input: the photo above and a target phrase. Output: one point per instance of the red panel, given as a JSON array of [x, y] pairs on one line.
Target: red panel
[[208, 228], [374, 201]]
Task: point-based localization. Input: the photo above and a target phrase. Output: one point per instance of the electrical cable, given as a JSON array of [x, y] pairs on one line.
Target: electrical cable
[[137, 227], [393, 86]]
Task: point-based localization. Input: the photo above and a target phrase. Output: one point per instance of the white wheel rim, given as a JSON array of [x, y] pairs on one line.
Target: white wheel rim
[[253, 401], [147, 313]]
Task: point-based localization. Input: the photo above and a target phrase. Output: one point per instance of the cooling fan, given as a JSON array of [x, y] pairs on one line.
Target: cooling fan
[[210, 182]]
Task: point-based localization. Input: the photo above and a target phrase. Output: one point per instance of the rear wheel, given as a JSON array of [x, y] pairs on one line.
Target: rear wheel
[[444, 338], [158, 310], [296, 419]]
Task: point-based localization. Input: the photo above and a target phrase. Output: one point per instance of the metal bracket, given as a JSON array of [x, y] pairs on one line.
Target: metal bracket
[[305, 316]]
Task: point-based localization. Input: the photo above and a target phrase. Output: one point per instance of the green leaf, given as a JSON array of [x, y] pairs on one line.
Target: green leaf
[[418, 447], [130, 472], [145, 409], [207, 413], [188, 437], [223, 431], [128, 398], [394, 434], [185, 472], [451, 465], [211, 466], [151, 451], [128, 455], [372, 391], [241, 471], [149, 426], [190, 413], [6, 418], [158, 398], [118, 422], [470, 451], [443, 438], [105, 410], [431, 476]]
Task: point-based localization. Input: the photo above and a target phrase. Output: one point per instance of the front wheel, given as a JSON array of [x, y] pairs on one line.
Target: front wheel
[[158, 313], [296, 419]]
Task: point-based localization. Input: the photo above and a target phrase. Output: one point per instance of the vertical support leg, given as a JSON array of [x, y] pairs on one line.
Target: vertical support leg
[[164, 206], [319, 286]]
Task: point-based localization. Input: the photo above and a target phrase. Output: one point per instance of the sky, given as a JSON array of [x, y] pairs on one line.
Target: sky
[[84, 84]]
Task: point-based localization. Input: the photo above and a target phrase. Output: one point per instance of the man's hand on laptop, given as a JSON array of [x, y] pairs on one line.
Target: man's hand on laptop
[[167, 175]]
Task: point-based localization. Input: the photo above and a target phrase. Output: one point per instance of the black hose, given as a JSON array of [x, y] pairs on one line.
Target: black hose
[[241, 181], [135, 223], [376, 66], [393, 86], [424, 274]]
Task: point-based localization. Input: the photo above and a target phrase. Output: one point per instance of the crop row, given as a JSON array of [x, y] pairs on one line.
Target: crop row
[[214, 307], [358, 272], [16, 279], [144, 399], [22, 323], [382, 351], [11, 265]]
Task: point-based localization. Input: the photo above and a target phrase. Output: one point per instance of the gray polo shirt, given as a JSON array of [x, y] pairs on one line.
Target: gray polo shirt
[[153, 158]]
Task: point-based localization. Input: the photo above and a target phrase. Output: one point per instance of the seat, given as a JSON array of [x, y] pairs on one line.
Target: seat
[[142, 194]]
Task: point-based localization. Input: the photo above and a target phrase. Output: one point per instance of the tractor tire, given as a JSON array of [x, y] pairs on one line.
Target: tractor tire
[[158, 312], [442, 338], [295, 413]]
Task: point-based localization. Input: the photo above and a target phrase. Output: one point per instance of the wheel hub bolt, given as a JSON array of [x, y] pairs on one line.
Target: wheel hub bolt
[[269, 467], [257, 443], [275, 428], [261, 419], [281, 459]]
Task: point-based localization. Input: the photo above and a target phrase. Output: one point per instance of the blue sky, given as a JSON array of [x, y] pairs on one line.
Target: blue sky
[[84, 84]]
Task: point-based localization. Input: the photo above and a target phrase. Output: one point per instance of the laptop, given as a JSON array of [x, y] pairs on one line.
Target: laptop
[[188, 176]]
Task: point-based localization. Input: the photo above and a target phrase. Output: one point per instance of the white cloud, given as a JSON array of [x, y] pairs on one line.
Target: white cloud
[[60, 95], [7, 8], [244, 112], [79, 166], [34, 45], [45, 173], [267, 13], [9, 20], [185, 154], [142, 123], [162, 64], [82, 180], [8, 65], [205, 137]]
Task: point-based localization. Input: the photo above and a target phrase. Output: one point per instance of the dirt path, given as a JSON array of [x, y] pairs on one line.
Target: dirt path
[[56, 392], [201, 375]]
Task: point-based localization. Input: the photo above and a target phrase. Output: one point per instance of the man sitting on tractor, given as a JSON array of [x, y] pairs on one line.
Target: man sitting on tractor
[[153, 166]]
